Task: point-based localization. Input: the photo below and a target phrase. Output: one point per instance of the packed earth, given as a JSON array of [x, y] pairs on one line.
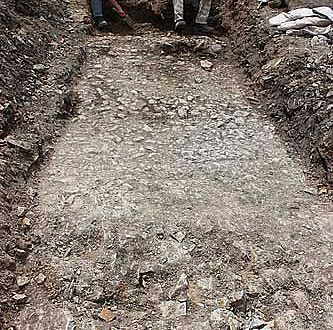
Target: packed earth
[[152, 180]]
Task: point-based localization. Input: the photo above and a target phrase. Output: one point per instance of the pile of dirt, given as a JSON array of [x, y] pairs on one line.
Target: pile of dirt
[[39, 54], [292, 75]]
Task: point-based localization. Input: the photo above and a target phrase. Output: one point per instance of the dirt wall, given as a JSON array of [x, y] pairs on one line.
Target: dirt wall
[[292, 76], [27, 29], [39, 56]]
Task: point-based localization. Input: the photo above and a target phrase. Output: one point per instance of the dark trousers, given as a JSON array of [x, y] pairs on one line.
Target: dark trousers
[[97, 8]]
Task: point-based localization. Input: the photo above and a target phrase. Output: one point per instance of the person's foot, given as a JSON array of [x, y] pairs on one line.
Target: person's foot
[[101, 22], [203, 29], [180, 25]]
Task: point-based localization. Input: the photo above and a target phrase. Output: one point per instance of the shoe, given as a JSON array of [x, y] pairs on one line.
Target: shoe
[[101, 22], [180, 25], [203, 29]]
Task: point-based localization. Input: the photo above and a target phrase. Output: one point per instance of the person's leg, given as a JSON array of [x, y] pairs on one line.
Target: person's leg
[[203, 12], [97, 8], [200, 26], [178, 7], [97, 12]]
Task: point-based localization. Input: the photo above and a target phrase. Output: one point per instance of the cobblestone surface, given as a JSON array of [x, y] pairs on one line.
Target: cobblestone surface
[[171, 204]]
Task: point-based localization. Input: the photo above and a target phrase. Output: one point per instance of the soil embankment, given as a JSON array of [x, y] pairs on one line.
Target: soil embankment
[[293, 77], [40, 50]]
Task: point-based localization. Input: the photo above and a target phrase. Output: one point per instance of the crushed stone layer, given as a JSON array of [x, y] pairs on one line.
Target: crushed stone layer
[[170, 203]]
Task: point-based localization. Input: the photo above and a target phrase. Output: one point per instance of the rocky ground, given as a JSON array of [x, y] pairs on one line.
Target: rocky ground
[[170, 203], [170, 200]]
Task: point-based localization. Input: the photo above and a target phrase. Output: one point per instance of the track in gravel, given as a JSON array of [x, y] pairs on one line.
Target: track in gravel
[[170, 203]]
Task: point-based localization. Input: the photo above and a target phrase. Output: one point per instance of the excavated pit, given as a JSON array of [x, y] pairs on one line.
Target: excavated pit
[[32, 121]]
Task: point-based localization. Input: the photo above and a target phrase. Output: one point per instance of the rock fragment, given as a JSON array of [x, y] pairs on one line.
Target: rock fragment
[[329, 94], [178, 236], [167, 308], [301, 301], [117, 139], [22, 281], [146, 271], [21, 211], [20, 297], [97, 294], [40, 67], [182, 112], [215, 49], [181, 309], [180, 290], [255, 323], [138, 138], [24, 145], [40, 279], [26, 223], [170, 309], [21, 253], [223, 319], [205, 283], [206, 65], [147, 128], [107, 315]]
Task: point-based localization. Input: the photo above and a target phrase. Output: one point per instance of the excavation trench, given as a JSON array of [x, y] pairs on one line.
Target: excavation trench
[[170, 202]]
